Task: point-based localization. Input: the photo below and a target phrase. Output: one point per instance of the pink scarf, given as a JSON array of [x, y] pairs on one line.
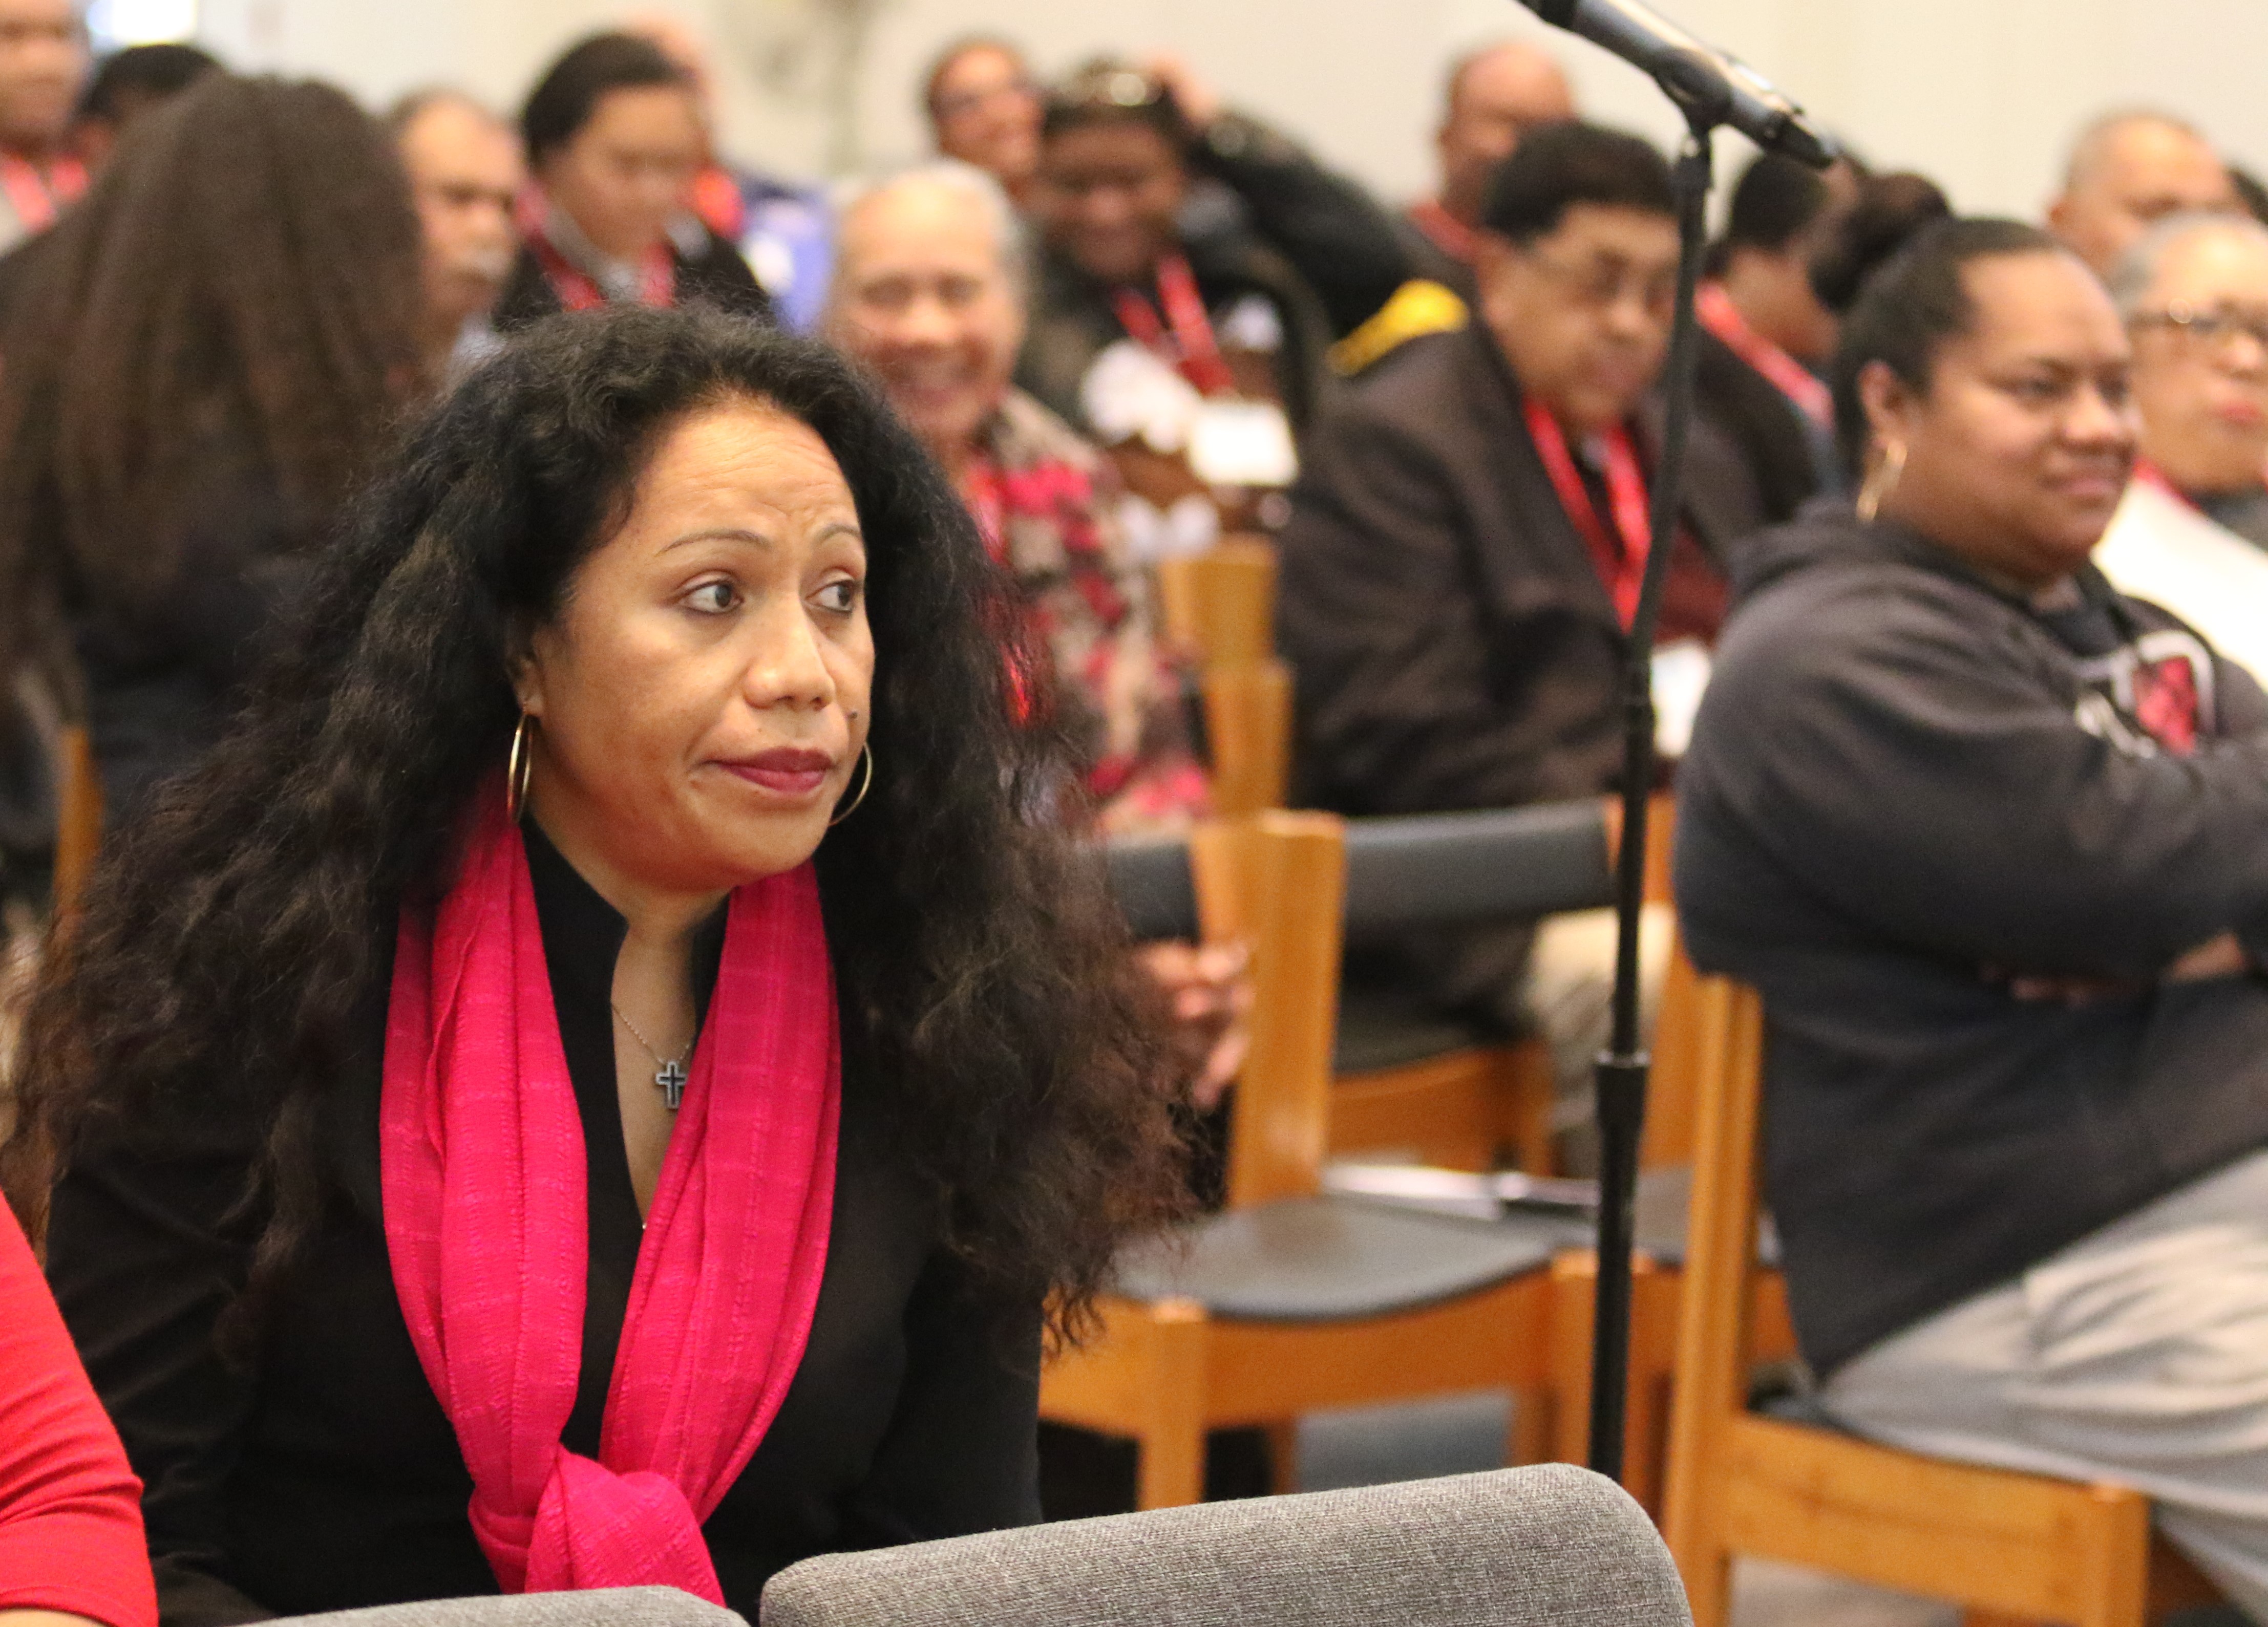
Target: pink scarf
[[482, 1169]]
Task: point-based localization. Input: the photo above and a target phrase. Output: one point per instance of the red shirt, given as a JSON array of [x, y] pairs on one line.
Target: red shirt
[[70, 1510]]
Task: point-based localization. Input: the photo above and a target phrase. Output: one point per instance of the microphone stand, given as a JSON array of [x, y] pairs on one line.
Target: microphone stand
[[1621, 1072]]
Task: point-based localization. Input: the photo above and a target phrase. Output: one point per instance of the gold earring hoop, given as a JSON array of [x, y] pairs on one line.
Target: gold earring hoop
[[516, 770], [1881, 481], [866, 785]]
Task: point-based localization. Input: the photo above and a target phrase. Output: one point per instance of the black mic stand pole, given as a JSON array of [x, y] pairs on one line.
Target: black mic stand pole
[[1621, 1072]]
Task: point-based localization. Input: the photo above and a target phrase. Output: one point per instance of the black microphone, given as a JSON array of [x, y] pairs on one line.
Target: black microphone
[[1697, 78]]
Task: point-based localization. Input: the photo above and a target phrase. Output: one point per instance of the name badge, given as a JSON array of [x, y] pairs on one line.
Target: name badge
[[1242, 444]]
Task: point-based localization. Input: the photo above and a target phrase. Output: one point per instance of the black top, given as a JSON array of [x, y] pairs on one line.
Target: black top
[[1791, 459], [1902, 780], [324, 1476], [714, 275]]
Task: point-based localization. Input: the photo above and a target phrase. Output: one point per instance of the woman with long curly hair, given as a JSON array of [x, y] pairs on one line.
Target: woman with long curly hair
[[596, 1079], [203, 359]]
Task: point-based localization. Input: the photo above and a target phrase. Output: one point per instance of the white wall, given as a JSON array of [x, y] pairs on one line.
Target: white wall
[[1982, 94]]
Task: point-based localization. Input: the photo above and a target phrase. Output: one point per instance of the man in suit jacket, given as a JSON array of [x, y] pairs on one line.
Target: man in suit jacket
[[1466, 538]]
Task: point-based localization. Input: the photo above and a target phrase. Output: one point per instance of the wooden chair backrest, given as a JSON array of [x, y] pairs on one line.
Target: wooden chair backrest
[[78, 818], [1248, 717], [1278, 881], [1721, 1039], [1220, 605]]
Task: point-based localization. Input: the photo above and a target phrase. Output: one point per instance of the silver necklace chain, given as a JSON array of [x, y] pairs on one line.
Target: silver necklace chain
[[669, 1071]]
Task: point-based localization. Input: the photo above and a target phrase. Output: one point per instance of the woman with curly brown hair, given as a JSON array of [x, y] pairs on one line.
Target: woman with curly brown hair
[[597, 1078], [206, 355]]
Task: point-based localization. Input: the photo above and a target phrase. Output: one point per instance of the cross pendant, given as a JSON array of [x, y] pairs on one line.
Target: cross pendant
[[671, 1080]]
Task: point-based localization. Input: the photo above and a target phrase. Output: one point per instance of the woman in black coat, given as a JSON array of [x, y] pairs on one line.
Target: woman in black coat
[[615, 141], [643, 758]]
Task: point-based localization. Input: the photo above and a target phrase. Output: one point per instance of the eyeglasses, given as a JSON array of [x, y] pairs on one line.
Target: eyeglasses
[[2214, 328], [1603, 283], [951, 107]]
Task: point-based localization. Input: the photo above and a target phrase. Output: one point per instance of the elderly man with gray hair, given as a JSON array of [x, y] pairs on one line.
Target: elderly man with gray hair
[[2192, 533], [931, 272], [929, 286]]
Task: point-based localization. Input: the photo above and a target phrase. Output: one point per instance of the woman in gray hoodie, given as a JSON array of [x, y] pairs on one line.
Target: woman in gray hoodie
[[1988, 837]]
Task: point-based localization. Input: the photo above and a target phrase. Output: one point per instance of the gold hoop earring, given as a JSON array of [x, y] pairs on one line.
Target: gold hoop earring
[[1881, 481], [516, 768], [866, 785]]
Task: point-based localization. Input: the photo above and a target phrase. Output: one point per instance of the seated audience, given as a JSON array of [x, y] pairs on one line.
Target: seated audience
[[1493, 96], [984, 108], [1195, 358], [782, 228], [1986, 835], [465, 175], [1766, 335], [127, 85], [207, 352], [615, 139], [71, 1512], [703, 1078], [1466, 541], [43, 61], [2128, 170], [929, 289], [2192, 534]]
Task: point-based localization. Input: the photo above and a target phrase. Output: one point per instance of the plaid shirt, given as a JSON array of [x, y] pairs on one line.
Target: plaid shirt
[[1043, 500]]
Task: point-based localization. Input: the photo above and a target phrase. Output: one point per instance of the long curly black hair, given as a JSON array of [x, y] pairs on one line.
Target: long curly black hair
[[234, 305], [211, 987]]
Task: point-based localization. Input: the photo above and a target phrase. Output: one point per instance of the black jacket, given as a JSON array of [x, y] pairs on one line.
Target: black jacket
[[717, 276], [325, 1476], [1789, 460], [165, 669], [1905, 785], [1333, 234], [1452, 645]]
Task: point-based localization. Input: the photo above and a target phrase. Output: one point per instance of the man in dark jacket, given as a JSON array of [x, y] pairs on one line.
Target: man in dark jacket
[[1462, 556], [1311, 258]]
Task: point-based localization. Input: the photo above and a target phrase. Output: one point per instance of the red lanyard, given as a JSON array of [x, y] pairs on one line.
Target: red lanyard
[[1192, 349], [577, 289], [2148, 474], [1453, 237], [1721, 317], [1620, 565], [37, 199]]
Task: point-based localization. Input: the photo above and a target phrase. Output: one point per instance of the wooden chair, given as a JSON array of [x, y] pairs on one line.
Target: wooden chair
[[1421, 1087], [2008, 1547], [78, 821], [1291, 1301], [1220, 605]]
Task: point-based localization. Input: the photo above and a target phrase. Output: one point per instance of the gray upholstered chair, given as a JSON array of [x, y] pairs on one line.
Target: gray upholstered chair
[[605, 1606], [1517, 1547]]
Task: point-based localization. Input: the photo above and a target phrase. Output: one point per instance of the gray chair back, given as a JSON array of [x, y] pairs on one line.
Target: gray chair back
[[1518, 1547], [601, 1607], [1429, 870]]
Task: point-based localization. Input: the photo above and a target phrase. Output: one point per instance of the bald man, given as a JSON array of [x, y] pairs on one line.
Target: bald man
[[2128, 171], [1493, 96], [465, 170]]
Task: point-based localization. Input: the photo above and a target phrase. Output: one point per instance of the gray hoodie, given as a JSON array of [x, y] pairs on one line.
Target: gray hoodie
[[1907, 786]]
